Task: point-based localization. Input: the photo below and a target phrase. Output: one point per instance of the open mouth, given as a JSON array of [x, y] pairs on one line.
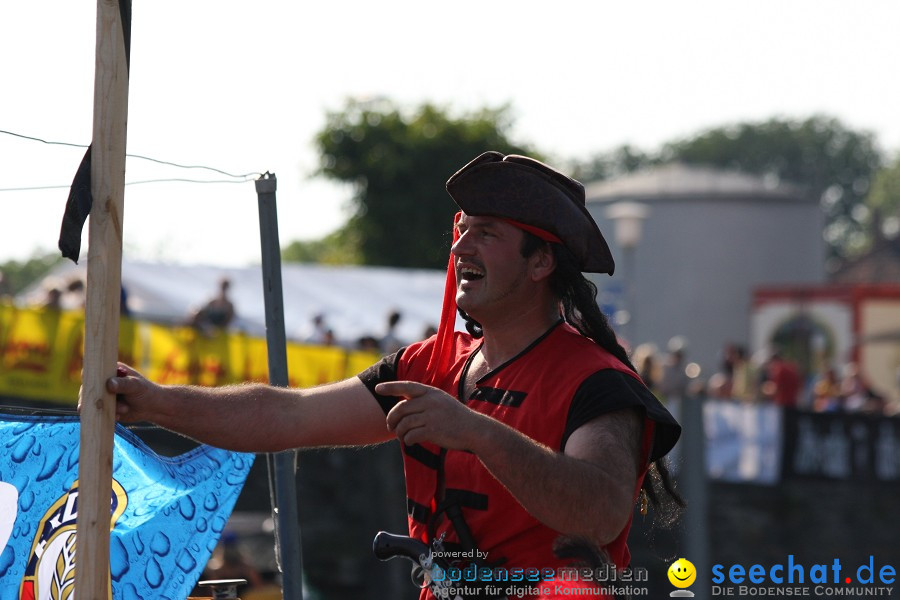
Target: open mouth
[[470, 274]]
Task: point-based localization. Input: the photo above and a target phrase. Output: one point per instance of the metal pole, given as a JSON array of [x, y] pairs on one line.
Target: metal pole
[[695, 487], [287, 522], [630, 296]]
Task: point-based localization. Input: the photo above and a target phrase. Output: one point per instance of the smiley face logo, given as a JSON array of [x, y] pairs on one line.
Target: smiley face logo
[[682, 573]]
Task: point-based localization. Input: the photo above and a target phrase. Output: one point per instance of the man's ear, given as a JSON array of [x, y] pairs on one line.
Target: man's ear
[[542, 263]]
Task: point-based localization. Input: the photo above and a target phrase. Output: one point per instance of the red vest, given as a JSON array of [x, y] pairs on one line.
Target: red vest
[[532, 393]]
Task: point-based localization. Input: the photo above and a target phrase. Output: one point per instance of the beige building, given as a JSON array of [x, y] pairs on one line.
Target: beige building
[[709, 238]]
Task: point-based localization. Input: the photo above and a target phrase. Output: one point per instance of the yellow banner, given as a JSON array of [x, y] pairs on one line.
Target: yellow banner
[[42, 351]]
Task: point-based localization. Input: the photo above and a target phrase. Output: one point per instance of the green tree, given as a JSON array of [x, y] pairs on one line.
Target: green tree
[[834, 163], [398, 162], [17, 275], [337, 248], [622, 160]]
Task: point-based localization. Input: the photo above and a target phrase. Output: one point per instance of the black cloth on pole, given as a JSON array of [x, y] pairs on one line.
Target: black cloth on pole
[[125, 16], [78, 207]]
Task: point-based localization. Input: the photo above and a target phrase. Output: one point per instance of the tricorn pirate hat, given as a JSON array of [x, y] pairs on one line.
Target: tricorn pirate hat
[[527, 191]]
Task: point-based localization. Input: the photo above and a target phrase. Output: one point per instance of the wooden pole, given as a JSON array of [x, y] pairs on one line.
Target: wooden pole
[[104, 276]]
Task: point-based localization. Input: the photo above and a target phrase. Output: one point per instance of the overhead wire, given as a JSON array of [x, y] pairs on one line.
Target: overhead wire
[[238, 178], [171, 179]]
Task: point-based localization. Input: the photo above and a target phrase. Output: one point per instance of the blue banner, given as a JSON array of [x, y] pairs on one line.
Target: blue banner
[[166, 514]]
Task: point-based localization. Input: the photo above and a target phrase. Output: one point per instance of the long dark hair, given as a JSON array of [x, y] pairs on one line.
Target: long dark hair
[[578, 301]]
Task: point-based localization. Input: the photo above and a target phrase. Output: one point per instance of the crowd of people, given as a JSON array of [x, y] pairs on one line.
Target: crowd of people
[[773, 377], [70, 294], [320, 333], [219, 314]]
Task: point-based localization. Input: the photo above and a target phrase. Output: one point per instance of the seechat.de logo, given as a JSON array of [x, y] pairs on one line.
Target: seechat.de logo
[[682, 574]]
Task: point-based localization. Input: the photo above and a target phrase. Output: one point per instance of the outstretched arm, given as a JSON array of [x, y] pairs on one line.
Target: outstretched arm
[[254, 417], [586, 490]]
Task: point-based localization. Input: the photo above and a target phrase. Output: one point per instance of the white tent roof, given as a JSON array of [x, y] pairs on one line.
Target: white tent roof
[[355, 301]]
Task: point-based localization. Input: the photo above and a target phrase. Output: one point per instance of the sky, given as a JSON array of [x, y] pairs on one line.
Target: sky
[[244, 87]]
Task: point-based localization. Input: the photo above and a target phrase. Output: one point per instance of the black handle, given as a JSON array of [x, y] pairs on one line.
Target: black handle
[[388, 545]]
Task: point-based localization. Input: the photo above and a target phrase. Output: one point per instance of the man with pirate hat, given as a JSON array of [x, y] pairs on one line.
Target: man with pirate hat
[[531, 427]]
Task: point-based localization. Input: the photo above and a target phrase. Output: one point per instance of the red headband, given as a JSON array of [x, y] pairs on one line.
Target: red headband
[[535, 231]]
